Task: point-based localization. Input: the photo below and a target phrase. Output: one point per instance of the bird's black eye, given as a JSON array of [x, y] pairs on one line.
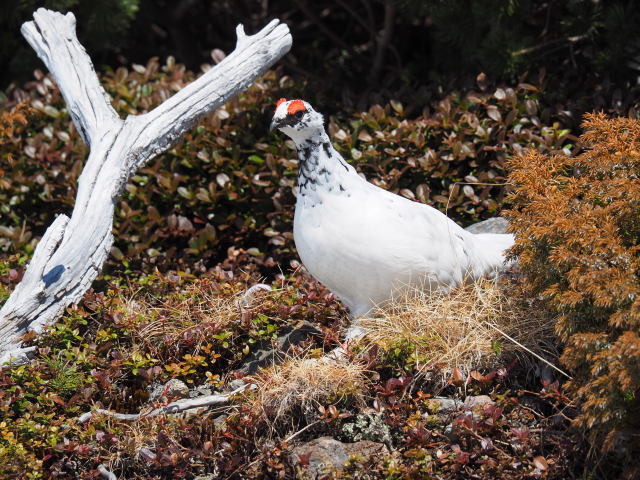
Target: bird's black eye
[[299, 114]]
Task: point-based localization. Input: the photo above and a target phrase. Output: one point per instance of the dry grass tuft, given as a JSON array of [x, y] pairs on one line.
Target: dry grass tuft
[[200, 308], [302, 384], [460, 329]]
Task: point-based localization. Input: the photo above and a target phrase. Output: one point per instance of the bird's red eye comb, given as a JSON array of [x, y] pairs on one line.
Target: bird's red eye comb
[[296, 106], [280, 102]]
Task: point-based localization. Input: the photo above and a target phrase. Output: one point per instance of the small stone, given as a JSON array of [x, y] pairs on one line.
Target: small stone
[[325, 455], [206, 476], [201, 391], [292, 335], [177, 388], [257, 360], [545, 373], [147, 454], [301, 332], [220, 422], [174, 388], [491, 225], [472, 402], [450, 433], [365, 449], [444, 404], [237, 383]]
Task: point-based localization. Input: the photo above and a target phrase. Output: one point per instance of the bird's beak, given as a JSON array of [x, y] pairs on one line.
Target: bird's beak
[[274, 124]]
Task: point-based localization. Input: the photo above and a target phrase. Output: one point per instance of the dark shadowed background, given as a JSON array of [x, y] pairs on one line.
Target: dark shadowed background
[[355, 52]]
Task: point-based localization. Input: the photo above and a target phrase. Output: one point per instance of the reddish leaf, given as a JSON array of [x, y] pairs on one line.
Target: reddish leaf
[[541, 463], [457, 379], [304, 458]]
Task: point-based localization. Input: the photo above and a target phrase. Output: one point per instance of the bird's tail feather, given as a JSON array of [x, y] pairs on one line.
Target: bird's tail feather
[[491, 250]]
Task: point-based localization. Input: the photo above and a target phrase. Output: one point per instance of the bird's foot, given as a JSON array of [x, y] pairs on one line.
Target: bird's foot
[[341, 354]]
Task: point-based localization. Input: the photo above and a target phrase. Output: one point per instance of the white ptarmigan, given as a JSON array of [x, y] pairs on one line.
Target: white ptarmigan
[[363, 242]]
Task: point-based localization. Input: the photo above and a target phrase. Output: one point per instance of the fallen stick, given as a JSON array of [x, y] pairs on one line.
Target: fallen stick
[[172, 408]]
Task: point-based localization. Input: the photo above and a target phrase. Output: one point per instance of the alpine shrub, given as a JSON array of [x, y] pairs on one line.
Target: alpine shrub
[[230, 182], [577, 224]]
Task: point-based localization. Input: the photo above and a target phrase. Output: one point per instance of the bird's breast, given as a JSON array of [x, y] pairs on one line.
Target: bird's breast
[[359, 247]]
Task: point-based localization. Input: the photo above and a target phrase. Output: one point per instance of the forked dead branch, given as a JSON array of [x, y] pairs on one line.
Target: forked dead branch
[[74, 249]]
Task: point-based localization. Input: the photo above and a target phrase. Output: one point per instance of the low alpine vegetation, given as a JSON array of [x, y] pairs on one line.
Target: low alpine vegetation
[[163, 339], [294, 390], [443, 387]]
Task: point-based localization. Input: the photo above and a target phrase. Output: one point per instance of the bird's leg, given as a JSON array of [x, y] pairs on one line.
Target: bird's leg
[[354, 334]]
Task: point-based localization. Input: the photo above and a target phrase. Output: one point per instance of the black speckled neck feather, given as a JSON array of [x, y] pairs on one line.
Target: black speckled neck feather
[[320, 166]]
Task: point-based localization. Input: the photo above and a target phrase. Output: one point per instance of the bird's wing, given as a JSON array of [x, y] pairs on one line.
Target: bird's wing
[[389, 228]]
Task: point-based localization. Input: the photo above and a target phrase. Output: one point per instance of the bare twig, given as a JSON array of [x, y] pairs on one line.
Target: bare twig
[[508, 337], [308, 11], [291, 437], [357, 17], [370, 17], [383, 40], [477, 436], [107, 474], [172, 408], [568, 40]]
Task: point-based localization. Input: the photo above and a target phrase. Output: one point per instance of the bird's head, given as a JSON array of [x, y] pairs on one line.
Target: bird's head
[[297, 119]]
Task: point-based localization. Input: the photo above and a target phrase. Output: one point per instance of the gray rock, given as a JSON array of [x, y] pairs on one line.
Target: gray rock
[[201, 390], [147, 454], [451, 434], [475, 405], [206, 476], [444, 404], [297, 334], [545, 372], [220, 422], [174, 388], [257, 360], [237, 383], [491, 225], [472, 402], [290, 336], [325, 455]]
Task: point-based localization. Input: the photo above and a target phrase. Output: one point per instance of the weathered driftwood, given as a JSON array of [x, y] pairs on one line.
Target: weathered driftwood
[[178, 406], [73, 250]]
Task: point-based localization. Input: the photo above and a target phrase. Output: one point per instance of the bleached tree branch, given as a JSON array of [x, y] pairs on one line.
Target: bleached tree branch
[[53, 37], [73, 250]]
